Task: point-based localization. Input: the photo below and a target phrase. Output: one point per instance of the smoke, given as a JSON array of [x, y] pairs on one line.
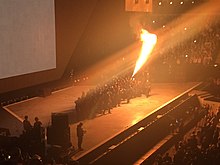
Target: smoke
[[136, 22]]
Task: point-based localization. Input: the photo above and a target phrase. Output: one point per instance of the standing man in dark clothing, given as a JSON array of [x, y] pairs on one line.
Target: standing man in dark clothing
[[80, 133], [37, 130], [27, 125], [37, 123]]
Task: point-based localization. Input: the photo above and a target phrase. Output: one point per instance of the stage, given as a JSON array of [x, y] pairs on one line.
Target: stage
[[100, 128]]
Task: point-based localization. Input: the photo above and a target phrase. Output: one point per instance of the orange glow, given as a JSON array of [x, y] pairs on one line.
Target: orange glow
[[149, 40]]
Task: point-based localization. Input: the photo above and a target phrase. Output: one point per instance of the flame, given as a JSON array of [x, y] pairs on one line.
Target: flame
[[149, 40]]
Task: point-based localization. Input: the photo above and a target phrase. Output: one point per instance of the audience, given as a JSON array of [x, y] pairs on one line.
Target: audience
[[187, 59], [198, 49], [29, 148], [202, 146]]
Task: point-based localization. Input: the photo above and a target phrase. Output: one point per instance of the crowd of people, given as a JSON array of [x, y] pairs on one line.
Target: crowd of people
[[200, 146], [26, 149], [198, 48], [30, 148], [103, 98], [188, 58]]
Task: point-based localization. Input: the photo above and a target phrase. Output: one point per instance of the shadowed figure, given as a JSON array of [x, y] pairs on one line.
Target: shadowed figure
[[80, 134]]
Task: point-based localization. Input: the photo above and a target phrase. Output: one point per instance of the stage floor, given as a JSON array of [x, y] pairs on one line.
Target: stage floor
[[101, 128]]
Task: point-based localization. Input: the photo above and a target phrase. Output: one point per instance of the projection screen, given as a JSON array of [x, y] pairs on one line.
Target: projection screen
[[27, 37]]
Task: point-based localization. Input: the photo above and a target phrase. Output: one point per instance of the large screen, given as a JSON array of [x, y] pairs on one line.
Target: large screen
[[27, 37]]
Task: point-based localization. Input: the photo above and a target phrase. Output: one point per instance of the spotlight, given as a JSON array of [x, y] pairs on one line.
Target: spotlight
[[160, 3], [181, 2], [171, 2]]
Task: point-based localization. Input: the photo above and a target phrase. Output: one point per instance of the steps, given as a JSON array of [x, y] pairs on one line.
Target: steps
[[207, 98]]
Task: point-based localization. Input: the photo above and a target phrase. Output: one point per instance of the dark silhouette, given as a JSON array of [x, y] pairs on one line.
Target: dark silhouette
[[27, 125], [80, 134], [37, 130], [37, 123]]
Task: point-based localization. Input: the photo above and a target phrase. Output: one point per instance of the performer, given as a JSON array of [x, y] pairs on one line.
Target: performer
[[80, 134]]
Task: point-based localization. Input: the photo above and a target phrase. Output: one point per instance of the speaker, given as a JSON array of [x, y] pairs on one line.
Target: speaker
[[60, 120], [58, 136]]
